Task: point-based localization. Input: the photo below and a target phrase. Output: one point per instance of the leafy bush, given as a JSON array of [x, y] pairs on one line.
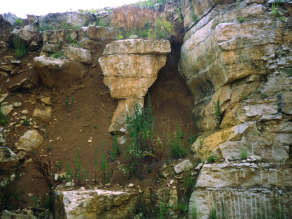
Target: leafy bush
[[18, 21], [3, 118], [141, 129]]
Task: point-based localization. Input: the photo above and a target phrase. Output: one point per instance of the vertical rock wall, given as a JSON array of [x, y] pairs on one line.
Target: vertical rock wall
[[237, 61]]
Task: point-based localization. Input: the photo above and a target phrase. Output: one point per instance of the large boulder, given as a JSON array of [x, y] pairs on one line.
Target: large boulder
[[130, 67], [78, 55], [9, 17], [56, 72], [8, 160], [24, 35], [29, 141], [93, 204], [66, 19]]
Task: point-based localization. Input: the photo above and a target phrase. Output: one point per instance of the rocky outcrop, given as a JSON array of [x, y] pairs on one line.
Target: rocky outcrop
[[8, 160], [130, 67], [56, 72], [65, 20], [9, 18], [236, 60], [93, 204], [27, 35], [101, 33], [29, 141]]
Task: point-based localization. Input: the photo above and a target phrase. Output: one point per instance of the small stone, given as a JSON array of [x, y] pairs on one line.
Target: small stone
[[30, 194], [199, 166], [183, 166], [46, 100], [29, 211], [24, 112], [89, 140], [133, 37], [56, 177], [130, 185], [16, 104]]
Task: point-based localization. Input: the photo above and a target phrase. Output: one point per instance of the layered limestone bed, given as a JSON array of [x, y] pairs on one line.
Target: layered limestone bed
[[237, 61], [130, 67]]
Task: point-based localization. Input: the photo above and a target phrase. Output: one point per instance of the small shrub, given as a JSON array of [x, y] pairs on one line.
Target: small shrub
[[65, 26], [275, 9], [69, 38], [182, 207], [282, 19], [95, 126], [25, 123], [49, 147], [76, 27], [116, 150], [18, 21], [3, 118], [241, 19], [243, 153], [177, 149], [263, 96], [67, 103], [213, 214], [33, 152]]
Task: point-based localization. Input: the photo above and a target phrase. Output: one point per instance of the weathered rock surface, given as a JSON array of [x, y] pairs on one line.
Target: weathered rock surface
[[9, 215], [66, 19], [78, 55], [6, 109], [55, 72], [26, 35], [43, 116], [237, 73], [8, 160], [101, 33], [29, 141], [130, 67], [93, 204], [9, 17]]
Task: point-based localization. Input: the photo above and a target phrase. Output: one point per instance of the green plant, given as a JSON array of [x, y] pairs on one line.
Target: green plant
[[67, 103], [282, 19], [104, 166], [59, 165], [244, 98], [211, 158], [189, 183], [78, 115], [213, 214], [57, 54], [25, 123], [116, 150], [77, 171], [194, 17], [34, 198], [33, 152], [182, 207], [217, 111], [19, 47], [18, 21], [194, 212], [3, 118], [99, 22], [95, 164], [95, 126], [177, 149], [241, 19], [263, 96], [49, 147], [243, 153], [65, 26], [275, 9], [237, 5], [46, 135], [76, 27], [289, 71], [69, 38]]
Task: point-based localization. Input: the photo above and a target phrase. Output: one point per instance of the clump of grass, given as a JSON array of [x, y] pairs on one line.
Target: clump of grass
[[263, 96], [289, 71], [59, 165], [25, 123], [241, 19], [282, 19], [104, 167], [211, 158], [3, 118], [244, 98], [76, 27], [33, 152], [67, 103], [49, 147], [18, 21], [177, 149], [19, 47], [194, 16], [116, 150], [217, 111], [95, 126], [243, 153]]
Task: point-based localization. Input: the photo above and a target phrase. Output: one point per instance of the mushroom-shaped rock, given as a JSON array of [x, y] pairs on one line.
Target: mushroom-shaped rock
[[29, 141], [130, 67], [55, 72]]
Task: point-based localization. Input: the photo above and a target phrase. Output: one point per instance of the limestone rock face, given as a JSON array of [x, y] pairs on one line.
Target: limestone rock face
[[101, 33], [238, 73], [70, 19], [29, 141], [8, 160], [43, 116], [130, 67], [27, 34], [9, 17], [95, 204], [55, 72], [78, 55]]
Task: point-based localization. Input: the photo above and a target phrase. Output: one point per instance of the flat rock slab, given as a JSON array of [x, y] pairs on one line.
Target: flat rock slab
[[183, 166]]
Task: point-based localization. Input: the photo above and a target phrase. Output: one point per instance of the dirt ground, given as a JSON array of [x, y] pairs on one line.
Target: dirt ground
[[90, 117]]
